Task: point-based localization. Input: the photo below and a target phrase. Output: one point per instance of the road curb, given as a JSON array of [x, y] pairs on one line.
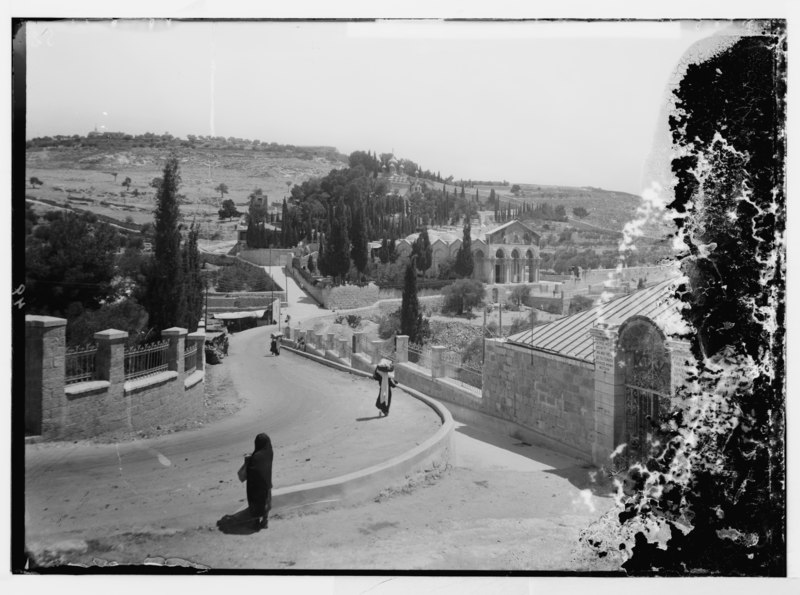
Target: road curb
[[433, 453]]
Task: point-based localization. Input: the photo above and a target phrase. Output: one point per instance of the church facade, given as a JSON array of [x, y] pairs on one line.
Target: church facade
[[506, 254]]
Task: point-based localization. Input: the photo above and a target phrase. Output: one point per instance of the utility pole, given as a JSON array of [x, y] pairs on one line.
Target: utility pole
[[205, 323], [500, 310], [483, 357]]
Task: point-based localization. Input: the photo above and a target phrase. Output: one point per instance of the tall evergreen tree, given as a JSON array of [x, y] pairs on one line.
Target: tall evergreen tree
[[192, 281], [464, 261], [338, 253], [358, 250], [322, 256], [164, 295], [410, 316], [383, 253], [423, 252]]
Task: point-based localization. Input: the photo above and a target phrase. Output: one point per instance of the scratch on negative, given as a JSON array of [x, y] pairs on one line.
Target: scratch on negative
[[122, 475]]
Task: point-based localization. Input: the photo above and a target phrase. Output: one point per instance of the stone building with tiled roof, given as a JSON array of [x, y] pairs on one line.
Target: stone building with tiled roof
[[594, 383]]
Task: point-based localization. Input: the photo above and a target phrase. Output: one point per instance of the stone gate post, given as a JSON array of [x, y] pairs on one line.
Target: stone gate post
[[609, 395]]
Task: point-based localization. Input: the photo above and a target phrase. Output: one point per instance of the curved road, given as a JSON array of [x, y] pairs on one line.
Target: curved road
[[322, 423]]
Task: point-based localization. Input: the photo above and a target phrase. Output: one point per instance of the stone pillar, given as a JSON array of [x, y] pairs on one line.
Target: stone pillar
[[342, 347], [401, 349], [109, 363], [45, 348], [375, 348], [682, 363], [329, 342], [609, 395], [318, 342], [437, 361], [358, 338], [177, 340], [199, 339]]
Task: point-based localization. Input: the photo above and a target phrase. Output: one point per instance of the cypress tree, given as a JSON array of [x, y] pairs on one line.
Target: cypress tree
[[339, 244], [164, 295], [464, 262], [423, 252], [358, 251], [410, 316], [193, 282]]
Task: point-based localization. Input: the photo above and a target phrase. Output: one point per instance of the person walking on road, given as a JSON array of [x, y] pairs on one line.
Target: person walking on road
[[259, 480], [275, 344], [384, 374]]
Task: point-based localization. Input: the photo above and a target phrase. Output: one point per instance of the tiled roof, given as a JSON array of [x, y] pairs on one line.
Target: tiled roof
[[570, 336]]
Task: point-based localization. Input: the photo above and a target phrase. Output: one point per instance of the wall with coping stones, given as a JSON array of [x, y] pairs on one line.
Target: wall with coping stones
[[550, 394], [57, 411]]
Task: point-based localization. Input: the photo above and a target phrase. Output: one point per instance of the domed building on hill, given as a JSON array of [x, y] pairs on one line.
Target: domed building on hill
[[506, 254]]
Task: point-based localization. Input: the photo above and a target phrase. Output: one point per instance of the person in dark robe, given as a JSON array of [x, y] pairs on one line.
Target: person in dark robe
[[384, 374], [259, 480]]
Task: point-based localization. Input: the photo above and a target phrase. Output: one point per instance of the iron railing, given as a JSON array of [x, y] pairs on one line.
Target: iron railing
[[146, 360], [457, 370], [420, 355], [190, 358], [79, 364], [387, 349]]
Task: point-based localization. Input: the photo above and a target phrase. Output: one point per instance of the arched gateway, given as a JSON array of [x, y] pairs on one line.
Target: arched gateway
[[644, 364]]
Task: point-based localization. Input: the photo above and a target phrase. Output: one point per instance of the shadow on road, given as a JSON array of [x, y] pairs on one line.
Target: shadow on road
[[369, 418], [581, 475], [239, 523]]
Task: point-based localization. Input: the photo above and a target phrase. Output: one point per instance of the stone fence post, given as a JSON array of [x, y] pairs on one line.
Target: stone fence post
[[609, 394], [45, 347], [199, 339], [109, 363], [358, 338], [401, 348], [318, 342], [437, 361], [375, 348], [177, 341], [342, 347], [329, 342]]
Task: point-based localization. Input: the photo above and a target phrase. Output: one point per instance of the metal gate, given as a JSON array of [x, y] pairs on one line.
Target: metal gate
[[644, 408], [647, 388]]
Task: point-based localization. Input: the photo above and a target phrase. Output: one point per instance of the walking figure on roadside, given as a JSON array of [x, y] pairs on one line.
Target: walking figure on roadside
[[384, 374], [275, 344], [259, 480]]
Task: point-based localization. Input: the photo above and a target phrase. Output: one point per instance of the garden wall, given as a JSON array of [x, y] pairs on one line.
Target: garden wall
[[106, 402], [549, 394], [266, 257]]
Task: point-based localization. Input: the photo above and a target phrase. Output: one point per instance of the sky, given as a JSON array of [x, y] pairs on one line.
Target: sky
[[566, 103]]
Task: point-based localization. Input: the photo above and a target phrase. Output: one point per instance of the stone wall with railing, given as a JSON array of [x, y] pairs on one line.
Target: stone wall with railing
[[84, 392]]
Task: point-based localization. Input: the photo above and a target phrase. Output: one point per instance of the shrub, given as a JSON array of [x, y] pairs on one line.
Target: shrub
[[389, 325], [463, 295], [579, 303], [519, 293]]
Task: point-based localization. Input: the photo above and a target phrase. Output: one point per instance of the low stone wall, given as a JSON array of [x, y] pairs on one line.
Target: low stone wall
[[550, 394], [266, 257], [229, 302], [348, 297], [56, 410]]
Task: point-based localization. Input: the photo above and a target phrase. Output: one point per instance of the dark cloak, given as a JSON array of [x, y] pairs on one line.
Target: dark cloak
[[259, 477]]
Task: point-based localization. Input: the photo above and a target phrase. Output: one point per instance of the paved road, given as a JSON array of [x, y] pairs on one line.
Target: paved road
[[322, 422]]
